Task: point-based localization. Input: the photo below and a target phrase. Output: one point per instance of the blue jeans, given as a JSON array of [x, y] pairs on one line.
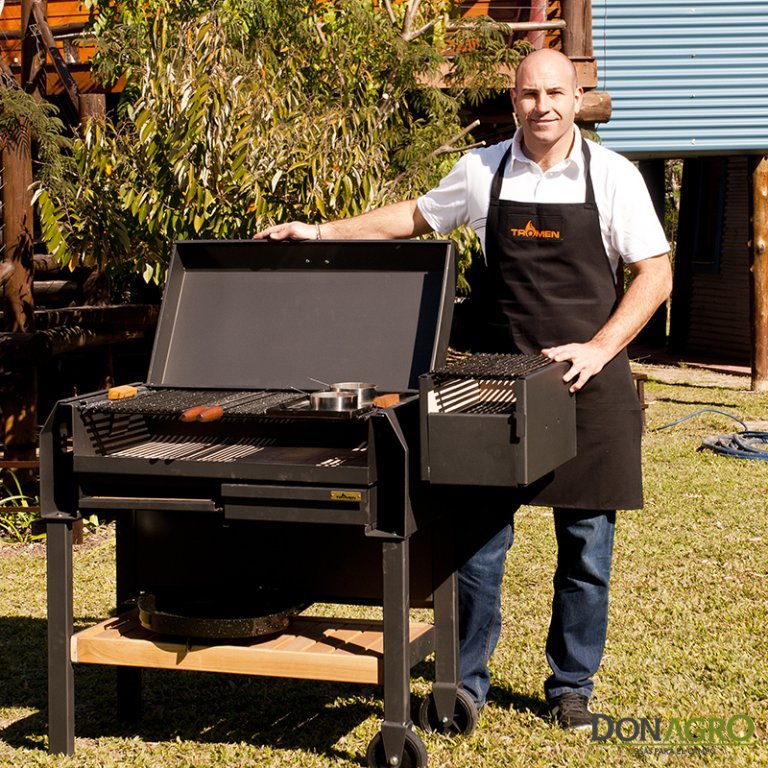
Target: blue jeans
[[579, 619]]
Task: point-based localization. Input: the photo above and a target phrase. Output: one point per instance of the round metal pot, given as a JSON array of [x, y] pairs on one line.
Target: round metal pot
[[333, 401], [363, 391]]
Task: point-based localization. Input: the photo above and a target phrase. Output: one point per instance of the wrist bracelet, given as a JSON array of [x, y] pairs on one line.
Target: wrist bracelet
[[318, 236]]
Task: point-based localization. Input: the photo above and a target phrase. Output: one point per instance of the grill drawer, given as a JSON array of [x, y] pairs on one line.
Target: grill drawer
[[296, 504]]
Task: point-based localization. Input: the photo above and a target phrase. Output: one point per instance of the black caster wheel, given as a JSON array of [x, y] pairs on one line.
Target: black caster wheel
[[464, 718], [414, 752]]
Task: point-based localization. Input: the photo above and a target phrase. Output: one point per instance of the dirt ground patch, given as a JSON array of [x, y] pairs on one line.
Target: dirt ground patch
[[695, 375]]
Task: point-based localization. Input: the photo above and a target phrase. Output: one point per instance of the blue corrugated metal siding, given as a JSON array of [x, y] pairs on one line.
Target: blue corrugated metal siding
[[684, 77]]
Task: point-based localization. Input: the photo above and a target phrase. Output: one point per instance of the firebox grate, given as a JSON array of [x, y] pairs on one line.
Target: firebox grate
[[197, 450], [491, 366]]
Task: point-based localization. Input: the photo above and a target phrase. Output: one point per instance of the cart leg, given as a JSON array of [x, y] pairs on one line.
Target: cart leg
[[449, 710], [445, 592], [397, 668], [126, 589], [61, 679]]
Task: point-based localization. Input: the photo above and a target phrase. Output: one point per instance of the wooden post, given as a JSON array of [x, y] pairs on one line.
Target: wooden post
[[577, 35], [759, 275], [19, 402], [92, 105], [18, 304], [538, 13]]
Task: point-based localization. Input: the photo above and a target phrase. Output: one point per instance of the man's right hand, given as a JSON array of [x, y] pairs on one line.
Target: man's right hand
[[292, 230]]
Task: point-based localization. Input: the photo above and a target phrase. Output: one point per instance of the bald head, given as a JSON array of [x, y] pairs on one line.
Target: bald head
[[549, 59]]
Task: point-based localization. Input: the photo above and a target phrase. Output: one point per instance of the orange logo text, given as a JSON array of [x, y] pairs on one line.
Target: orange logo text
[[531, 231]]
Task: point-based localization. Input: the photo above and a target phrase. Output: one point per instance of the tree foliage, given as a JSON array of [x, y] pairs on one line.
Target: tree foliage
[[21, 113], [250, 112]]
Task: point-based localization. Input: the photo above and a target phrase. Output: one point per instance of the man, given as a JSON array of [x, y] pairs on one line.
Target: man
[[555, 215]]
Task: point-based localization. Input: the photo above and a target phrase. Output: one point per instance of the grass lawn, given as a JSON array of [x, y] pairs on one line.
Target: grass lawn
[[688, 638]]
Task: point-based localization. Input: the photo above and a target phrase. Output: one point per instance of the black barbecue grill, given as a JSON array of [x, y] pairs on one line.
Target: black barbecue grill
[[237, 503]]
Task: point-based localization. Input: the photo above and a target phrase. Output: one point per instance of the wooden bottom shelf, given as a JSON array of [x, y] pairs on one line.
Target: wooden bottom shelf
[[312, 648]]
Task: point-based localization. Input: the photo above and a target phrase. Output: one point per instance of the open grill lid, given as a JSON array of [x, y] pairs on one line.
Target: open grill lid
[[266, 315]]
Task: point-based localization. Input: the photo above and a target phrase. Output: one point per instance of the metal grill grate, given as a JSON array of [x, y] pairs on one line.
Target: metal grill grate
[[198, 450], [491, 366], [173, 402]]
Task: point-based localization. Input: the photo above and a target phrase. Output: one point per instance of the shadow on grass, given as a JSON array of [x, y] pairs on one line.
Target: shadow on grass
[[192, 706], [506, 699], [23, 673], [719, 404]]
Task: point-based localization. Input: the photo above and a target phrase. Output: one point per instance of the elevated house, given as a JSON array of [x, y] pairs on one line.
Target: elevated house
[[689, 81]]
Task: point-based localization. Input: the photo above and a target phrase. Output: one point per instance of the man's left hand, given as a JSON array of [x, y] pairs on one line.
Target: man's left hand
[[587, 360]]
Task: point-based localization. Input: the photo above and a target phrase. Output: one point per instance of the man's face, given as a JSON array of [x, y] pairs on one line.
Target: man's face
[[546, 100]]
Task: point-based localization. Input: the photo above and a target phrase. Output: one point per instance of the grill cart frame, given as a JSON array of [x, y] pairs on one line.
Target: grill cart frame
[[359, 524]]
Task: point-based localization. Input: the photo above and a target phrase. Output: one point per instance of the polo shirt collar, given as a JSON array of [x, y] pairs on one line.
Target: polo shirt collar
[[573, 163]]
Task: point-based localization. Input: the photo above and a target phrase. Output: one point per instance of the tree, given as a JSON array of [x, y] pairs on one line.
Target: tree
[[259, 110]]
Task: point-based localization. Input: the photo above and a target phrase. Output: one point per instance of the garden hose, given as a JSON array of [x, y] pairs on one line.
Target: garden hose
[[748, 444]]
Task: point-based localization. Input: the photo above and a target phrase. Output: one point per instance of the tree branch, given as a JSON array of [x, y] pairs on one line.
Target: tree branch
[[408, 36], [444, 150], [448, 147], [388, 6], [319, 28], [410, 15]]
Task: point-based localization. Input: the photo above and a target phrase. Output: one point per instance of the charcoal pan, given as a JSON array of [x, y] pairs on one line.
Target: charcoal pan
[[213, 620]]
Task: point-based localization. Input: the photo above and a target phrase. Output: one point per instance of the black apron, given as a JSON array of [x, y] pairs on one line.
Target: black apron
[[548, 282]]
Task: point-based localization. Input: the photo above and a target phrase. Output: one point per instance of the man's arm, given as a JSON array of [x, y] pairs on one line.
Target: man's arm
[[395, 221], [650, 287]]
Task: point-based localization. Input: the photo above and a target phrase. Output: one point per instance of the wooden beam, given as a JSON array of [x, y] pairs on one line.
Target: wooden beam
[[515, 26], [759, 275], [80, 73], [28, 44], [92, 105], [118, 316], [70, 87], [19, 405], [57, 30], [595, 107]]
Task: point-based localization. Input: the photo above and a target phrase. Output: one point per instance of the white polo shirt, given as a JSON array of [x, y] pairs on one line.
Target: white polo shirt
[[630, 227]]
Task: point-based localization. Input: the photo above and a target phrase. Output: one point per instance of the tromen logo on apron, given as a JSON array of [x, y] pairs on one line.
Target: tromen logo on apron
[[530, 231]]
